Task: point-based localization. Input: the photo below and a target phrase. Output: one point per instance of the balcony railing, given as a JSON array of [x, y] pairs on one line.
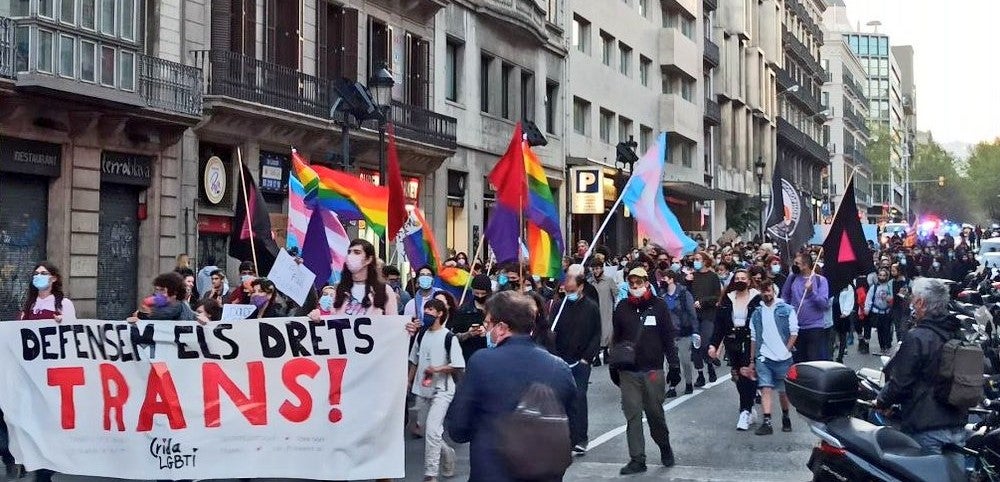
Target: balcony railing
[[230, 74], [526, 12], [803, 15], [802, 141], [784, 80], [806, 100], [851, 86], [6, 48], [801, 51], [711, 54], [852, 118], [713, 112], [711, 5], [170, 86]]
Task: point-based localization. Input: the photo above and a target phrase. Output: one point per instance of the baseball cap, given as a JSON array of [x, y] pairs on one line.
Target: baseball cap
[[640, 272]]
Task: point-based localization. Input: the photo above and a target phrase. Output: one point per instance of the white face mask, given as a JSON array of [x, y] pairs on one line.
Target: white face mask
[[637, 292], [354, 263]]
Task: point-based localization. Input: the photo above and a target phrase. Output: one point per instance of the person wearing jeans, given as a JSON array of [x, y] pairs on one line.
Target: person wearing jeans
[[733, 333], [577, 342], [773, 330], [878, 305], [682, 314], [808, 293]]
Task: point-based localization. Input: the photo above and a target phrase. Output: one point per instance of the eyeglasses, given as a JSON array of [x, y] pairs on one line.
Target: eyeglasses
[[46, 273]]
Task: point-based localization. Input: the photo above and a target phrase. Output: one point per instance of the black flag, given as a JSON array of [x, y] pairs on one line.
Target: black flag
[[845, 250], [789, 219], [251, 219]]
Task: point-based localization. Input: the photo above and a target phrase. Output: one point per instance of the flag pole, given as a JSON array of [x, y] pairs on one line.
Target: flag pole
[[590, 249], [246, 204], [479, 250], [809, 280]]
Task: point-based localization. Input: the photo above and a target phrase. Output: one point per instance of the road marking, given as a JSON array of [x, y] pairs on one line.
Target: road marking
[[667, 406]]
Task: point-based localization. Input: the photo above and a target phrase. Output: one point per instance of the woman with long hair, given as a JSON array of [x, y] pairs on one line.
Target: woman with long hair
[[45, 299], [361, 291], [733, 332]]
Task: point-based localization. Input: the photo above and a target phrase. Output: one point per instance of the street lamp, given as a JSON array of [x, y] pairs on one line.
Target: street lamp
[[758, 170], [380, 84]]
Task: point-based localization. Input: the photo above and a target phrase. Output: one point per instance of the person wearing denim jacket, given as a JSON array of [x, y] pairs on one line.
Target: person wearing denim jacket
[[774, 329]]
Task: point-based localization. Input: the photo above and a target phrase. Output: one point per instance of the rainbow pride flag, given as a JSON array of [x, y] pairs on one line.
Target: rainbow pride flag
[[545, 242], [453, 280], [349, 196], [418, 242]]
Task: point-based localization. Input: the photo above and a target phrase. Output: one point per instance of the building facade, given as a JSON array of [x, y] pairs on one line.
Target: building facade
[[801, 119], [502, 62], [94, 110], [745, 85]]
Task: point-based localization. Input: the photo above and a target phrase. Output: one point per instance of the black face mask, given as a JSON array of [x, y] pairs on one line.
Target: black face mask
[[663, 265], [481, 299], [739, 285], [796, 269]]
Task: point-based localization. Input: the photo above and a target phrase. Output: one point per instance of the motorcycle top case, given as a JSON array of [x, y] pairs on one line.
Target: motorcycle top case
[[822, 390]]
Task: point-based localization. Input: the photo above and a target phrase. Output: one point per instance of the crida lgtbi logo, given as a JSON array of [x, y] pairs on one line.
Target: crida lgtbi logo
[[171, 454]]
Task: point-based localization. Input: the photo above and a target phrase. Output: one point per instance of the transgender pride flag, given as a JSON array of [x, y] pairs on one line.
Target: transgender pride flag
[[313, 228], [644, 198]]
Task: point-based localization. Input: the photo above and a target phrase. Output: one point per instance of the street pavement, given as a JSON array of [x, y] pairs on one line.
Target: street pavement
[[703, 434]]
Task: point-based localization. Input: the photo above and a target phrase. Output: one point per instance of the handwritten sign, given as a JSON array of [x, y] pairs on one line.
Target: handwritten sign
[[275, 398], [237, 312], [291, 278]]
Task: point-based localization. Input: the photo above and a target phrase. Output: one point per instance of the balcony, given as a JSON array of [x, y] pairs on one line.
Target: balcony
[[679, 53], [711, 53], [119, 76], [711, 5], [851, 86], [526, 14], [806, 100], [855, 120], [800, 51], [803, 15], [784, 80], [713, 113], [802, 142], [6, 48], [861, 159], [681, 117], [689, 6], [235, 76]]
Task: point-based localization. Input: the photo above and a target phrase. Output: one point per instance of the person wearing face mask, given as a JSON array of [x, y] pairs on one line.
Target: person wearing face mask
[[682, 313], [468, 325], [496, 379], [935, 270], [434, 362], [809, 293], [878, 304], [462, 260], [773, 335], [360, 291], [393, 279], [706, 291], [577, 342], [733, 333], [900, 299], [241, 295], [725, 272], [606, 293], [264, 297], [509, 278], [776, 271], [45, 299], [425, 291], [165, 303], [644, 321], [324, 305]]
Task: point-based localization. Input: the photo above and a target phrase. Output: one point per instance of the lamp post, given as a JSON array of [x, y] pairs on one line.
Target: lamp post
[[625, 159], [758, 170], [380, 84]]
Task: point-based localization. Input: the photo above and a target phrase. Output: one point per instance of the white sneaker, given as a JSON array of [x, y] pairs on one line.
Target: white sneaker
[[448, 462], [744, 421]]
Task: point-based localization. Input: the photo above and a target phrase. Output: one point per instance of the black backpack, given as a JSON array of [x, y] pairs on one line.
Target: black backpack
[[448, 336], [959, 372], [533, 440]]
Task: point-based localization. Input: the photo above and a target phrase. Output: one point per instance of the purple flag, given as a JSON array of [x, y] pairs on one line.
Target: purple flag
[[316, 250]]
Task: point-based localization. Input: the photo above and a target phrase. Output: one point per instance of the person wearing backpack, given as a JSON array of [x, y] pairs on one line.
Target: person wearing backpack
[[500, 378], [934, 407], [435, 359]]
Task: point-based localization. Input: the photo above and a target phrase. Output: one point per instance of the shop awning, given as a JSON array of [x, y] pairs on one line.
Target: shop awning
[[696, 191]]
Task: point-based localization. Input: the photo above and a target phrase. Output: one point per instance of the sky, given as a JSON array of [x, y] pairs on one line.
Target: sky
[[957, 73]]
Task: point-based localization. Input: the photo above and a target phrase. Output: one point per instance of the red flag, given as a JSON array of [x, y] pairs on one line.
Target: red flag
[[394, 180], [509, 179]]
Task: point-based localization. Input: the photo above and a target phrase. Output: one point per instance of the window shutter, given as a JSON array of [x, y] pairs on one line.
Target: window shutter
[[349, 53], [249, 28], [270, 30], [322, 47], [221, 27]]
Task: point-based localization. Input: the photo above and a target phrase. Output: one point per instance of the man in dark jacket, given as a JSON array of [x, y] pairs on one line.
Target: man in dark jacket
[[645, 320], [495, 379], [578, 339], [912, 373]]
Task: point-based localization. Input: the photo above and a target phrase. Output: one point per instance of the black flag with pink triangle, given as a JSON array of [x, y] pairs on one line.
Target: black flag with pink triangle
[[845, 251]]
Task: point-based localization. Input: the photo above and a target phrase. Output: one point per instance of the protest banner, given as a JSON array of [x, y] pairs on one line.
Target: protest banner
[[281, 397], [231, 312], [291, 278]]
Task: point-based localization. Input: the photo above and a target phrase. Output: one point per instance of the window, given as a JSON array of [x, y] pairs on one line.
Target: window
[[581, 112], [67, 12], [127, 18], [88, 61], [826, 100], [20, 8], [551, 103], [645, 137], [506, 78], [687, 90], [624, 59], [452, 69], [379, 45], [45, 9], [45, 46], [527, 95], [607, 44], [624, 129], [485, 65], [126, 66], [581, 34], [883, 46], [88, 14], [644, 7], [644, 65], [668, 84], [108, 70], [607, 118], [687, 27], [67, 55], [108, 17], [687, 154]]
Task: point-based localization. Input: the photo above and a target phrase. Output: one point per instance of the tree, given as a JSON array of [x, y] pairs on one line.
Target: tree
[[930, 163], [983, 180], [878, 150]]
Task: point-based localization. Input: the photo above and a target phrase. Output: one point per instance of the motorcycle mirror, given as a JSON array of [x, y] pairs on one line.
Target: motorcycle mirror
[[885, 360]]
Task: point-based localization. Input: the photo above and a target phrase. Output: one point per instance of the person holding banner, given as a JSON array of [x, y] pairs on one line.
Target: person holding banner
[[363, 293], [45, 299], [166, 302], [264, 297]]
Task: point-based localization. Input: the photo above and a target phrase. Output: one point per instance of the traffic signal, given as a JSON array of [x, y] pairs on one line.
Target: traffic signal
[[941, 181]]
